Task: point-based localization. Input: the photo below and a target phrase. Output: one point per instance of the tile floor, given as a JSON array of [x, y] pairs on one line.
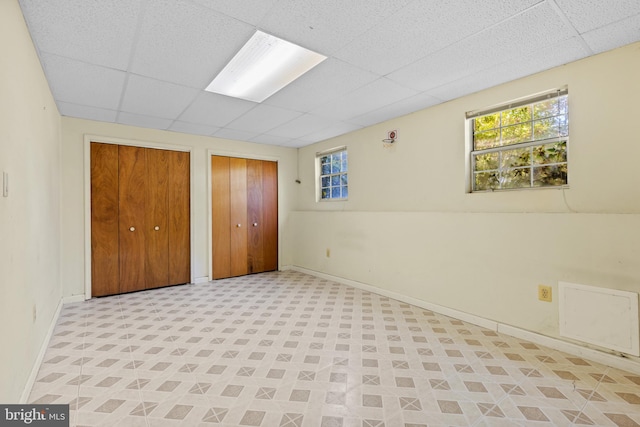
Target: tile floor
[[286, 349]]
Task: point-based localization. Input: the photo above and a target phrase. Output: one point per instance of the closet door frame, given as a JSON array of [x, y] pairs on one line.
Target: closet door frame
[[247, 156], [88, 139]]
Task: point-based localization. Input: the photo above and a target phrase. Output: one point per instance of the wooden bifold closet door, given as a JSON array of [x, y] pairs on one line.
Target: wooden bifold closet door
[[244, 216], [140, 231]]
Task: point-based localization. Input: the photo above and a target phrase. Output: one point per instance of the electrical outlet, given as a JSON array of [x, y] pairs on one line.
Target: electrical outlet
[[544, 293], [328, 253]]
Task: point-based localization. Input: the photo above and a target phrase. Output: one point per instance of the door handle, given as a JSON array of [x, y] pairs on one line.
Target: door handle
[[156, 228], [255, 224], [132, 229], [239, 225]]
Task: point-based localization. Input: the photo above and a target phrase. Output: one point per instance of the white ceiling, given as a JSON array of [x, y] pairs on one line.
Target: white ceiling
[[146, 62]]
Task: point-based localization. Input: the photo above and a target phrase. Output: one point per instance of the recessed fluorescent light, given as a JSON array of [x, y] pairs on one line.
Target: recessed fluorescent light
[[263, 66]]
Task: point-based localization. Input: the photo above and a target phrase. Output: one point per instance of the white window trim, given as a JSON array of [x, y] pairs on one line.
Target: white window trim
[[318, 175], [469, 139]]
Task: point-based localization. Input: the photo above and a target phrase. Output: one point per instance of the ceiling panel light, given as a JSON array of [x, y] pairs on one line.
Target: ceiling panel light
[[263, 66]]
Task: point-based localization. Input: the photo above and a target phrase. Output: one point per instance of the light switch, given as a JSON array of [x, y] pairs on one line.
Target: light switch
[[5, 184]]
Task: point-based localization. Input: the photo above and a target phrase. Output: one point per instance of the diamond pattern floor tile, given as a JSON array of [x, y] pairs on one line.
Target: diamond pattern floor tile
[[291, 350]]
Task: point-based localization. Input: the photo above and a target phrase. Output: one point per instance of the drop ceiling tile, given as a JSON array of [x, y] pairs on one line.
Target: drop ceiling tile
[[368, 98], [195, 129], [401, 108], [328, 81], [270, 139], [97, 32], [301, 126], [155, 98], [325, 26], [249, 11], [295, 143], [339, 129], [587, 15], [535, 29], [524, 65], [422, 28], [263, 118], [83, 84], [614, 35], [84, 112], [185, 43], [238, 135], [143, 121], [215, 110]]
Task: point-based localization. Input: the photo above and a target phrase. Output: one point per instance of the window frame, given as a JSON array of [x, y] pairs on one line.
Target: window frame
[[320, 175], [532, 144]]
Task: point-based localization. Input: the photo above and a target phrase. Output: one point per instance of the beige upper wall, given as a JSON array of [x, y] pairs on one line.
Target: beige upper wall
[[425, 170], [73, 188], [30, 215]]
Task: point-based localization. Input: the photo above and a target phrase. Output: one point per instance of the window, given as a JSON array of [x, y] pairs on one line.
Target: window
[[333, 183], [521, 145]]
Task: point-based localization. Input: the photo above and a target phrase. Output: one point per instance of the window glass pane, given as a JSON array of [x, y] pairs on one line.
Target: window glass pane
[[486, 139], [336, 163], [485, 181], [345, 191], [325, 193], [516, 115], [325, 169], [343, 168], [335, 192], [545, 176], [343, 179], [516, 133], [486, 161], [515, 158], [516, 178], [563, 105], [335, 180], [550, 153], [548, 108], [492, 121], [546, 128], [325, 181]]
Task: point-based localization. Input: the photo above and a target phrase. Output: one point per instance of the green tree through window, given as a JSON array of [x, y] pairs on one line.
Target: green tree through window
[[523, 146]]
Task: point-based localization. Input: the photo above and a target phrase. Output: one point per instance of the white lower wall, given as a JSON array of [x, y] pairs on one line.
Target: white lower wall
[[485, 264]]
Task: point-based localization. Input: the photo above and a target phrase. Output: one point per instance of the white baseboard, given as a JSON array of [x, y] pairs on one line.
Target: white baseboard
[[602, 357], [201, 280], [73, 298], [43, 349]]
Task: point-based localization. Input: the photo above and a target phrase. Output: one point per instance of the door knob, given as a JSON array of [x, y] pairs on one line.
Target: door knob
[[255, 224], [156, 228], [132, 229], [239, 225]]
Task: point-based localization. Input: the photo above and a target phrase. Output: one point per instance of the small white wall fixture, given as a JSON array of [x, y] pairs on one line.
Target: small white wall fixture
[[604, 317]]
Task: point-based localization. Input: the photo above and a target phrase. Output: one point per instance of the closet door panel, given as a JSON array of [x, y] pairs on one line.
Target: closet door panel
[[255, 249], [104, 220], [179, 219], [133, 180], [270, 214], [156, 222], [238, 209], [220, 217]]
